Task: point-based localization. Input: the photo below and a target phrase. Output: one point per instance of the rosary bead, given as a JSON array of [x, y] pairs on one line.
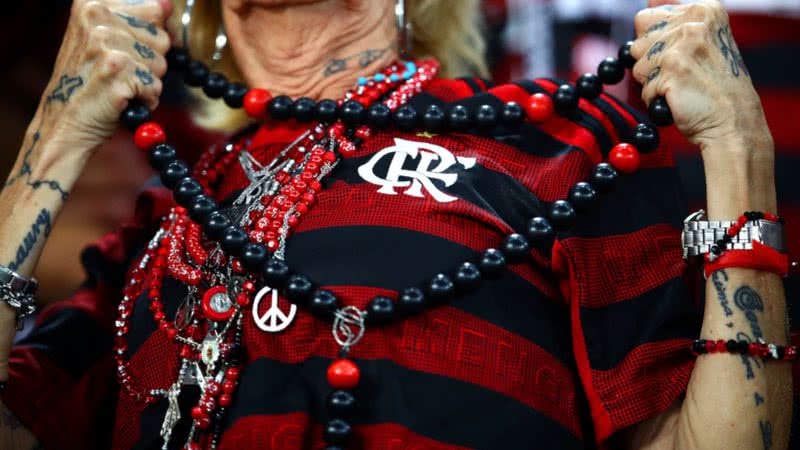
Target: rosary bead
[[161, 155], [660, 113], [625, 158], [323, 303], [186, 190], [202, 207], [303, 109], [353, 113], [299, 288], [486, 117], [562, 214], [434, 119], [611, 71], [149, 134], [565, 99], [515, 248], [178, 58], [327, 111], [411, 300], [512, 115], [698, 347], [174, 172], [441, 288], [582, 195], [539, 231], [280, 107], [459, 118], [196, 74], [336, 431], [405, 117], [341, 404], [603, 177], [645, 138], [234, 95], [467, 277], [276, 273], [625, 56], [233, 239], [215, 225], [379, 116], [380, 310], [589, 86], [215, 86], [135, 115], [343, 374], [256, 101], [253, 256], [540, 107], [492, 262]]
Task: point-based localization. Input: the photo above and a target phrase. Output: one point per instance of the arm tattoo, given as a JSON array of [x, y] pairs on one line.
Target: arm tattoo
[[657, 48], [766, 433], [729, 51], [67, 86], [25, 172], [364, 58], [653, 75], [135, 22], [143, 50], [657, 26], [720, 280], [759, 399], [748, 300], [144, 76], [41, 226]]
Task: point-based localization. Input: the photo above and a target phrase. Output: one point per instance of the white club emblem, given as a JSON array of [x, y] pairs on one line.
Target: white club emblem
[[274, 319]]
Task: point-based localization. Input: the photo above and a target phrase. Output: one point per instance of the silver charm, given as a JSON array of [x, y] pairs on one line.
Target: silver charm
[[173, 414], [209, 352], [348, 327], [274, 319]]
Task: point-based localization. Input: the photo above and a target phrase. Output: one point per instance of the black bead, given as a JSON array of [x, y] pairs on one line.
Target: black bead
[[625, 56], [234, 95], [467, 277], [202, 207], [491, 263], [160, 155], [405, 117], [323, 303], [589, 86], [341, 404], [539, 231], [441, 288], [380, 310], [603, 177], [781, 351], [562, 214], [299, 288], [196, 74], [275, 273], [352, 113], [744, 347], [174, 172], [434, 119], [645, 138], [660, 113], [134, 115], [327, 111], [233, 239], [252, 256], [513, 115], [732, 346], [565, 99], [486, 117], [611, 71], [336, 431], [379, 116], [458, 117], [303, 109], [215, 86], [698, 347], [280, 107], [515, 248], [186, 190], [215, 225], [178, 58], [582, 196], [716, 250], [411, 300]]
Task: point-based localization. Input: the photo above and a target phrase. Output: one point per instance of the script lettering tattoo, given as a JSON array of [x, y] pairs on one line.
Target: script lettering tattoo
[[657, 48], [748, 300], [766, 433], [135, 22], [657, 26], [759, 399], [144, 76], [25, 171], [364, 58], [67, 86], [720, 280], [729, 51], [653, 75], [747, 361], [143, 50], [41, 226]]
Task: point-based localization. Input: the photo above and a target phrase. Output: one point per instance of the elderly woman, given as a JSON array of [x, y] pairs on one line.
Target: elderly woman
[[415, 262]]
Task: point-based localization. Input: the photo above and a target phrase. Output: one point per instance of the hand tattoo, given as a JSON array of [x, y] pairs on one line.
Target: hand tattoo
[[653, 75], [365, 58], [135, 22], [657, 48], [144, 51], [67, 86], [748, 300], [759, 399], [42, 225], [720, 278], [145, 77], [657, 26], [729, 51]]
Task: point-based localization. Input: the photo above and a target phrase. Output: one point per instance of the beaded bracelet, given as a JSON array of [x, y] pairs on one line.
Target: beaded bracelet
[[749, 216], [742, 347]]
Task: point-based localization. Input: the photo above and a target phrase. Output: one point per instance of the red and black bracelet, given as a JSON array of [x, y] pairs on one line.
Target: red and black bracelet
[[755, 349], [733, 231]]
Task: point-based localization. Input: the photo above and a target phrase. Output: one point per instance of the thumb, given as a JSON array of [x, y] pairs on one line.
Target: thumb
[[657, 3]]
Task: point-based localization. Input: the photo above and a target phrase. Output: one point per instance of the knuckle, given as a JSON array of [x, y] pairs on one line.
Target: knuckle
[[694, 31], [640, 71], [697, 11], [114, 62], [161, 43], [99, 35], [94, 11], [159, 66]]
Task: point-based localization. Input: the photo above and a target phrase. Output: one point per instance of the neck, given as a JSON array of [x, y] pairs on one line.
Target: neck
[[315, 50]]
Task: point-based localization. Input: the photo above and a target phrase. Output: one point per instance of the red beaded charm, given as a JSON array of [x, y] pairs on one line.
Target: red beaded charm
[[343, 374], [255, 102], [539, 107], [625, 158], [217, 305], [225, 400], [149, 134], [721, 347]]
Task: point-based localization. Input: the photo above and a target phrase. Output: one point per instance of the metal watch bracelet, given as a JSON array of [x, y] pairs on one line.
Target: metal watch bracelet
[[18, 292], [699, 235]]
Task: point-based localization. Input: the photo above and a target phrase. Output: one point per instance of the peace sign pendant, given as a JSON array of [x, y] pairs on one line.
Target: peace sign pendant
[[273, 320]]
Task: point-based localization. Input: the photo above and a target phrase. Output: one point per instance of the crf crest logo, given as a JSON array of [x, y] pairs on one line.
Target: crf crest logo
[[433, 163]]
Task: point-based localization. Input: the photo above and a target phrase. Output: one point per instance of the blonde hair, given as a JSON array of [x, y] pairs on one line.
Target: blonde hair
[[448, 30]]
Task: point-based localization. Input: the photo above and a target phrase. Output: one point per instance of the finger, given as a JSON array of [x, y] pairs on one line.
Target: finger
[[147, 86], [154, 11], [128, 79], [106, 39], [147, 32]]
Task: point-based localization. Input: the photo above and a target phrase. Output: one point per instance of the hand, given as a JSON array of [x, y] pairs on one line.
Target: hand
[[687, 54]]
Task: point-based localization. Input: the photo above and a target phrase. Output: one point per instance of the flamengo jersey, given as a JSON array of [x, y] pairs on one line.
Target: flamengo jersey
[[559, 353]]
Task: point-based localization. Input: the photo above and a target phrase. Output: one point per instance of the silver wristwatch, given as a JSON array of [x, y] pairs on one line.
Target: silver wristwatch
[[18, 292], [699, 234]]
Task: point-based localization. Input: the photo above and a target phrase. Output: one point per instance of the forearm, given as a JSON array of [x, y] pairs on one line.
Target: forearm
[[13, 435]]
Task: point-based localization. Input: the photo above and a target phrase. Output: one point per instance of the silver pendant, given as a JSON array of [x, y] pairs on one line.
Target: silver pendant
[[173, 414], [209, 351], [274, 320]]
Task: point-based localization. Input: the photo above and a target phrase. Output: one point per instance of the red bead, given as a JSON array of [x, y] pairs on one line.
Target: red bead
[[202, 423], [192, 446], [225, 400], [343, 374], [198, 413], [212, 388], [329, 157], [315, 185], [292, 221], [625, 158], [763, 350], [242, 300], [539, 107], [770, 217], [255, 102], [711, 347], [228, 386], [753, 349], [791, 353], [308, 198], [301, 208], [272, 245], [734, 230], [232, 373], [171, 333], [721, 347], [249, 286], [158, 316], [149, 134]]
